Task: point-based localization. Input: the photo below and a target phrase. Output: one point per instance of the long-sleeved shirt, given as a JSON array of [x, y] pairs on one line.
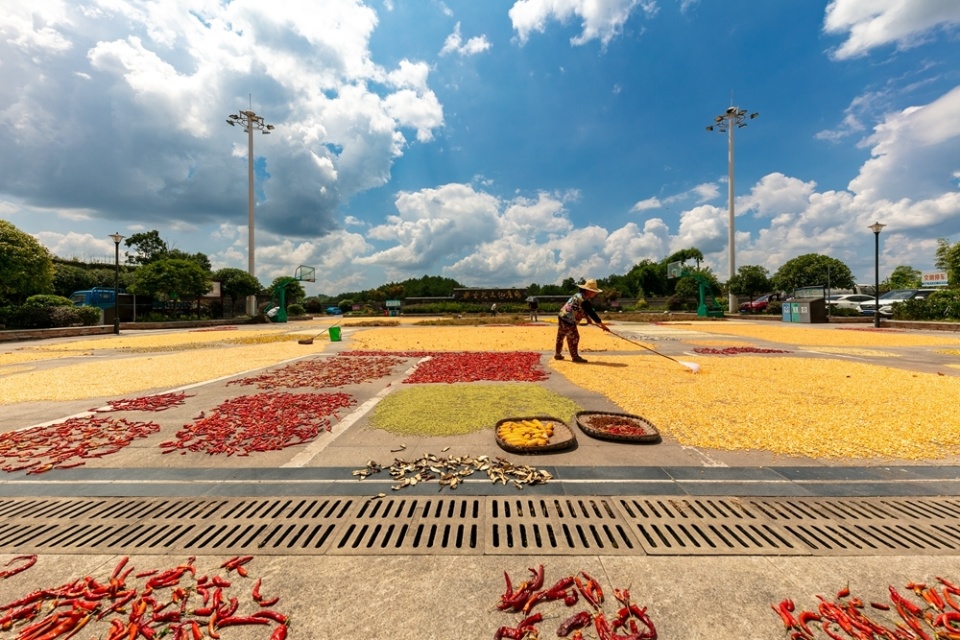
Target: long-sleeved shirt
[[576, 308]]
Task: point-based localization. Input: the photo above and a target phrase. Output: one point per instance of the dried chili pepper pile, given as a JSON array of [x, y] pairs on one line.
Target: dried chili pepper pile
[[261, 422], [625, 621], [67, 444], [522, 366], [324, 373], [933, 614], [617, 425], [175, 603], [731, 351], [160, 402]]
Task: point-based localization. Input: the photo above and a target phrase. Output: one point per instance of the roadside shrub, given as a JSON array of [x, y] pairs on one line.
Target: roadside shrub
[[678, 302], [296, 310], [774, 308], [313, 305], [940, 305], [48, 300], [843, 312]]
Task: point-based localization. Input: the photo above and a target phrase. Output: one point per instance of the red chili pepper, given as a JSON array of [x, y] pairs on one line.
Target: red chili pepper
[[280, 633], [272, 615], [585, 593], [932, 597], [843, 593], [784, 609], [509, 632], [30, 560], [807, 617], [576, 621], [237, 620]]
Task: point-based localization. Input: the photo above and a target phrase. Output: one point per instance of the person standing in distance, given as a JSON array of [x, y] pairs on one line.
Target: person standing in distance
[[571, 313]]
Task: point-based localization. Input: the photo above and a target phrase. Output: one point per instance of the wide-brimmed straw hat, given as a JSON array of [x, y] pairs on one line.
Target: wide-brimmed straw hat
[[590, 285]]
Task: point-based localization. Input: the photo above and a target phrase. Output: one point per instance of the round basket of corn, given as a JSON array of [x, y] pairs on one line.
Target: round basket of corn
[[537, 434], [620, 427]]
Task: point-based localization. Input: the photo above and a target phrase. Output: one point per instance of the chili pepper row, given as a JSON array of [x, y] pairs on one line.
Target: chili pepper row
[[521, 366], [730, 351], [173, 603], [324, 373], [67, 444], [935, 616], [629, 622], [257, 423], [160, 402]]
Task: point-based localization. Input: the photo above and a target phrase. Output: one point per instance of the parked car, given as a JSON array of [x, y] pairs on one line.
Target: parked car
[[760, 304], [847, 300], [334, 311], [890, 298]]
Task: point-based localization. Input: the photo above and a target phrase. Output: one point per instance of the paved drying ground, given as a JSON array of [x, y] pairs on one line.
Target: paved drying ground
[[793, 456]]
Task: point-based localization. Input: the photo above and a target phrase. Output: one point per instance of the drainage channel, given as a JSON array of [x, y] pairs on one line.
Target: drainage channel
[[483, 526]]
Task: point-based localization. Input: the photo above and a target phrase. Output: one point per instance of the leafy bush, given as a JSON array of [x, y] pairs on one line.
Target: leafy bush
[[940, 305], [681, 303], [774, 308], [37, 316], [48, 300], [296, 310], [313, 304]]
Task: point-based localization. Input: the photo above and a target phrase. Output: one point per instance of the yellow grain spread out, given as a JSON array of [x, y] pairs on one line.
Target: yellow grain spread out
[[814, 407]]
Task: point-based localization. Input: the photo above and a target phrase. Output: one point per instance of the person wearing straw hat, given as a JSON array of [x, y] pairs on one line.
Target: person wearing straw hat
[[576, 309]]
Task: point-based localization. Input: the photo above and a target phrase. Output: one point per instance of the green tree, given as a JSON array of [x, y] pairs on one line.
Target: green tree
[[292, 290], [686, 255], [810, 270], [750, 281], [649, 278], [148, 247], [171, 280], [68, 278], [948, 259], [26, 267], [200, 258], [236, 284], [903, 277]]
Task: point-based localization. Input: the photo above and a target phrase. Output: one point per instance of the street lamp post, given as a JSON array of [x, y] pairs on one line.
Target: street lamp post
[[876, 227], [250, 121], [726, 122], [116, 282]]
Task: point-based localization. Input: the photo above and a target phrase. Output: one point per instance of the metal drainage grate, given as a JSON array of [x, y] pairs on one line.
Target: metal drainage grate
[[868, 526], [483, 525], [557, 526], [708, 526]]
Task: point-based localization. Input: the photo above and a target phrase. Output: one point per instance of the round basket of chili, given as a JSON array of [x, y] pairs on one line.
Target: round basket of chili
[[621, 427]]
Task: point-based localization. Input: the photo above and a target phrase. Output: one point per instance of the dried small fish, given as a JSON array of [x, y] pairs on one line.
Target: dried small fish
[[452, 470]]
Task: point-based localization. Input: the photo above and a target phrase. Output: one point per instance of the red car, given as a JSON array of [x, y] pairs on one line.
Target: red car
[[760, 304]]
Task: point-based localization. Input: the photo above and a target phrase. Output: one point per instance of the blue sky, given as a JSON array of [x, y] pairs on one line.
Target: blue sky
[[497, 143]]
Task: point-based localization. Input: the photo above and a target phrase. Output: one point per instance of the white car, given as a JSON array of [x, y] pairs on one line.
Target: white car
[[847, 300], [890, 298]]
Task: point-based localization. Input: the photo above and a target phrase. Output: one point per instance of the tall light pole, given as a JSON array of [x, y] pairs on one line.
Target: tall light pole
[[116, 282], [250, 121], [732, 118], [876, 227]]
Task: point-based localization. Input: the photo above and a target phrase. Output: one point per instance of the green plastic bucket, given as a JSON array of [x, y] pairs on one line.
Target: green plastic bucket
[[334, 334]]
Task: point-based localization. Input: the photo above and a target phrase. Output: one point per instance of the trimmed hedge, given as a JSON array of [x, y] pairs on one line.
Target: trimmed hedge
[[33, 315]]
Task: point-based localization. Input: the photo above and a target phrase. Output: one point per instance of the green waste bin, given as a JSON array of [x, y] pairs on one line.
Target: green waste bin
[[334, 334]]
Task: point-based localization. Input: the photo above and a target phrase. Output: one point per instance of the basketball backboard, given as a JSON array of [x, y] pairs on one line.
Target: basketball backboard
[[305, 274]]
